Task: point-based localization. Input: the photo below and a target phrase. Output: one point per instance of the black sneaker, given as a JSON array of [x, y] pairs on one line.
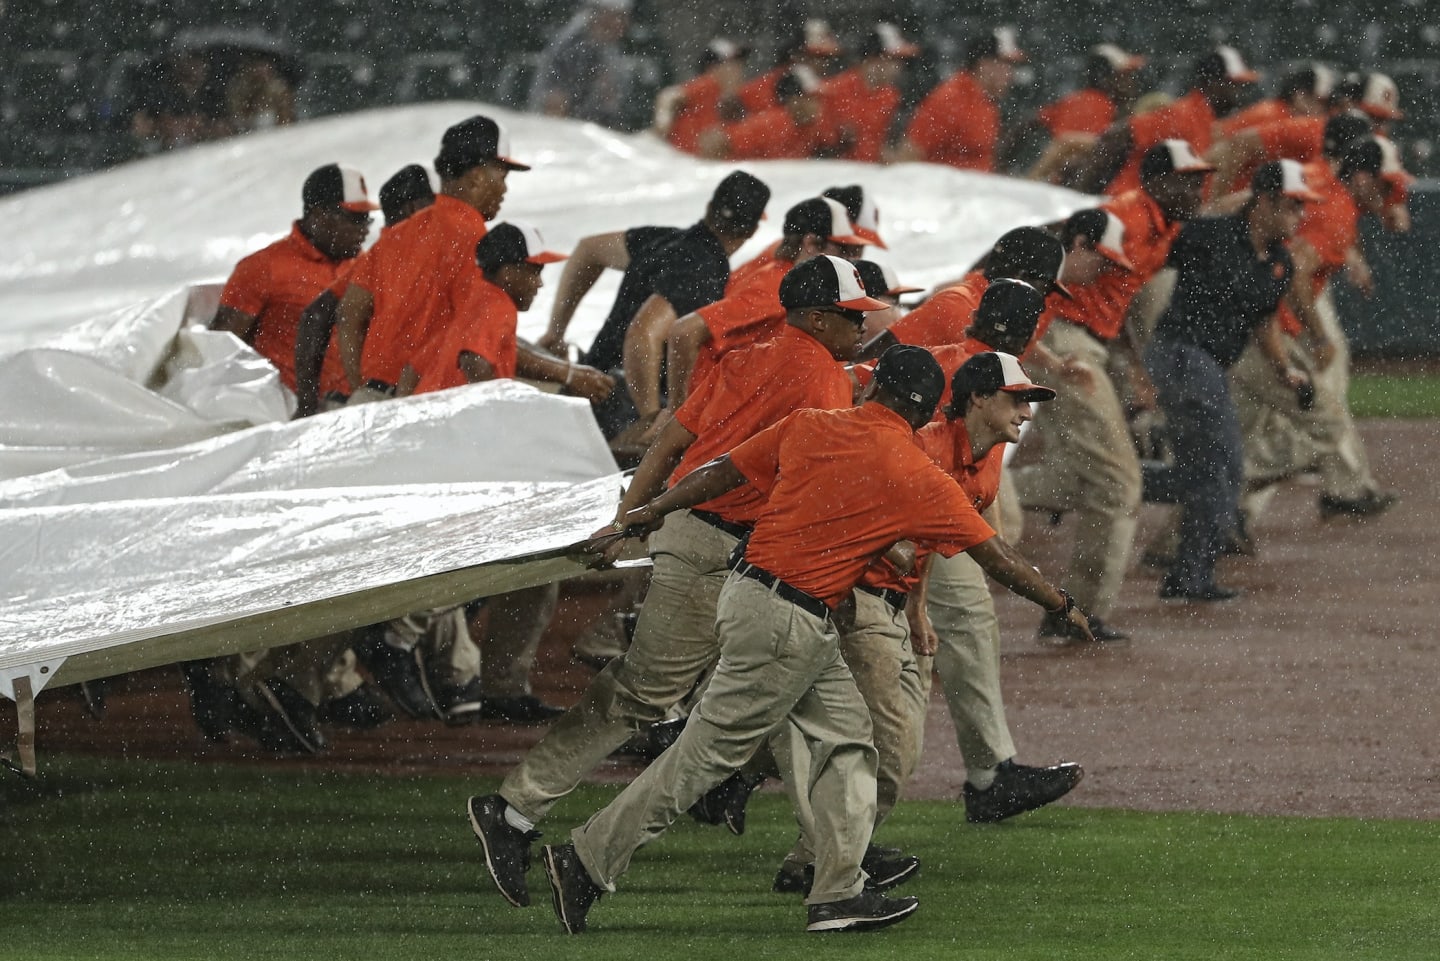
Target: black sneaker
[[885, 868], [1059, 628], [524, 709], [725, 803], [216, 706], [793, 878], [1019, 788], [507, 849], [1209, 594], [651, 741], [1367, 504], [361, 709], [288, 721], [864, 912], [460, 704], [400, 674], [571, 890]]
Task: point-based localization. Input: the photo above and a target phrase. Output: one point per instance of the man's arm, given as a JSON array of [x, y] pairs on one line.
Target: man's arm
[[592, 256], [687, 336], [1106, 158], [352, 320], [535, 364], [705, 483], [1005, 564], [644, 353], [235, 321], [659, 462], [317, 323]]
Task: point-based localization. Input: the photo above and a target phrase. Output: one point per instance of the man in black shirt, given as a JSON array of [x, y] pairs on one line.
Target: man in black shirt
[[1232, 274], [668, 271]]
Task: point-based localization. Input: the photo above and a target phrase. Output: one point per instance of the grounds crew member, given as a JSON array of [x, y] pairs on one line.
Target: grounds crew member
[[1088, 462], [668, 272], [685, 111], [821, 527], [1302, 93], [1109, 89], [674, 641], [814, 45], [862, 103], [1232, 275], [958, 123]]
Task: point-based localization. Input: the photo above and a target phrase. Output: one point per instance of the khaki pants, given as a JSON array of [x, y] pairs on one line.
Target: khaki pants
[[780, 671], [876, 647], [963, 615], [1282, 440], [319, 670], [1088, 466], [674, 644]]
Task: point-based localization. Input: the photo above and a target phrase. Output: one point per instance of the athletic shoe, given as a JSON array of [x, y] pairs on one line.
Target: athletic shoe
[[361, 709], [288, 721], [1059, 627], [571, 890], [400, 674], [1210, 593], [651, 741], [507, 849], [460, 703], [1367, 504], [864, 912], [885, 868], [1018, 788], [524, 709], [725, 803], [216, 706]]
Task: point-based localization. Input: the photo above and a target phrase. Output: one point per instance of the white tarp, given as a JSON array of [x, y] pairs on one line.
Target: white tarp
[[154, 502]]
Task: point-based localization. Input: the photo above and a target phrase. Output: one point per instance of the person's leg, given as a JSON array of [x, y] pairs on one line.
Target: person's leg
[[517, 621]]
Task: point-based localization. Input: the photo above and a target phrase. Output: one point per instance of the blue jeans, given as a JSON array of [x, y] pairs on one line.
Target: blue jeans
[[1204, 431]]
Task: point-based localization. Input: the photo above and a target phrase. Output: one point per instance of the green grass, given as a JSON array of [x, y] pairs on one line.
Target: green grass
[[1395, 395], [110, 859]]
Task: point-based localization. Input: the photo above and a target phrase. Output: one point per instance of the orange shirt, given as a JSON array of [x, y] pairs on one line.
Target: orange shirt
[[1263, 111], [947, 443], [1085, 111], [861, 115], [759, 94], [957, 124], [274, 285], [747, 316], [741, 275], [772, 134], [1100, 306], [1189, 118], [1330, 225], [748, 391], [842, 486], [943, 318], [485, 326], [699, 111], [417, 272]]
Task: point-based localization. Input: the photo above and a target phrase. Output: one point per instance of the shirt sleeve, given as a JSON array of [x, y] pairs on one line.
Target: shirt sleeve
[[758, 458], [688, 285], [948, 523], [940, 320], [640, 239], [731, 313], [248, 289]]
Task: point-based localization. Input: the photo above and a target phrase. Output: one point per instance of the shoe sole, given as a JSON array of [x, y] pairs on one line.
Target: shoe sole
[[557, 899], [520, 900], [862, 924], [305, 744]]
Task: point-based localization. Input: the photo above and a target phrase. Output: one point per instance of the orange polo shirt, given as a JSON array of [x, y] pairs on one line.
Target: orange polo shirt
[[1263, 111], [418, 273], [275, 285], [1086, 111], [842, 486], [943, 318], [699, 111], [1330, 225], [1100, 306], [772, 134], [748, 391], [741, 275], [1189, 118], [957, 124], [485, 326], [860, 114], [749, 315], [759, 94]]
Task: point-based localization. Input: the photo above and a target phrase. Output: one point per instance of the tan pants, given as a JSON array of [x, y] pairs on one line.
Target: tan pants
[[319, 670], [1282, 440], [674, 645], [780, 671], [875, 643], [963, 615], [1088, 466]]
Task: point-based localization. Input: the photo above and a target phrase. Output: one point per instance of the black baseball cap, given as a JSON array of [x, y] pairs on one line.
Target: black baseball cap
[[336, 185], [409, 184], [914, 374], [471, 143], [821, 217], [1030, 251], [864, 215], [880, 280], [1009, 306], [513, 243], [740, 199], [1285, 178], [1342, 130], [826, 281], [993, 371]]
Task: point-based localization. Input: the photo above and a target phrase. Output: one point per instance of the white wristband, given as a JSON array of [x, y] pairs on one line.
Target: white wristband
[[569, 373]]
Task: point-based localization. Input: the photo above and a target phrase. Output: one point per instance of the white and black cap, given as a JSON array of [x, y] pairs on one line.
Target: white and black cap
[[995, 371], [826, 281]]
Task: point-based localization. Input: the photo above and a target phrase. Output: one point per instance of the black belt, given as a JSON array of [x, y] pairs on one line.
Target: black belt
[[889, 595], [806, 602], [381, 387], [740, 531]]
